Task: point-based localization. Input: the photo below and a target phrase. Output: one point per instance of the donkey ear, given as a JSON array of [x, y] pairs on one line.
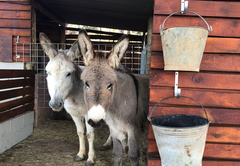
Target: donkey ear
[[118, 51], [47, 46], [86, 47], [73, 52]]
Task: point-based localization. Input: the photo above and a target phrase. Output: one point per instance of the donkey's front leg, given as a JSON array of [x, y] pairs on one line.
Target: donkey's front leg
[[119, 143], [134, 150], [118, 152], [79, 122], [90, 137]]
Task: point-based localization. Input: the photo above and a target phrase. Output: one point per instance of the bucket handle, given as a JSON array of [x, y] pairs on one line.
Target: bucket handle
[[149, 117], [161, 26]]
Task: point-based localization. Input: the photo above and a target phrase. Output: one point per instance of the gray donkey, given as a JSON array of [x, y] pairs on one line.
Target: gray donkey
[[114, 95], [66, 90]]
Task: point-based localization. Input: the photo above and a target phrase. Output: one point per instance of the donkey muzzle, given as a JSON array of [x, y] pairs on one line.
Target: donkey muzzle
[[96, 124], [56, 106]]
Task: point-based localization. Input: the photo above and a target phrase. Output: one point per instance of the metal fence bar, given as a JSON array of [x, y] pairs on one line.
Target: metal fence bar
[[30, 53], [132, 59]]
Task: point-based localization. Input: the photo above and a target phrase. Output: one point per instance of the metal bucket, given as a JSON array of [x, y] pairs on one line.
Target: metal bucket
[[183, 47], [180, 138]]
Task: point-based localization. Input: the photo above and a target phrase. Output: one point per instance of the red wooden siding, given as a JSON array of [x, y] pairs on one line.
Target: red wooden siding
[[216, 86], [16, 92], [15, 20]]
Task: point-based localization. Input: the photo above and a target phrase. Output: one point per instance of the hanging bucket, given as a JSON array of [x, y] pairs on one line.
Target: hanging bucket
[[180, 138], [183, 47]]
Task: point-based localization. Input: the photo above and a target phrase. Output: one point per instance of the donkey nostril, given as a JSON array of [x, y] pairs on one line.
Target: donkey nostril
[[90, 122], [101, 122], [60, 104]]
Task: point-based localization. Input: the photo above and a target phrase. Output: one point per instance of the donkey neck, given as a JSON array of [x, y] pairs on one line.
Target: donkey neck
[[125, 95], [77, 90], [75, 100]]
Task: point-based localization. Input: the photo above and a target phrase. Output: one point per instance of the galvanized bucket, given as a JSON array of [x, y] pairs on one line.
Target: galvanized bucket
[[183, 47], [180, 138]]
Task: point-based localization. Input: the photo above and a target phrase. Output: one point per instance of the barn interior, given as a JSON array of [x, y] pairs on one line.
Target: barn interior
[[215, 86], [55, 18]]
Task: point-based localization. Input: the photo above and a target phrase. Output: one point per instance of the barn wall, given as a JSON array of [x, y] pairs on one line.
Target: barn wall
[[15, 20], [16, 106], [216, 86]]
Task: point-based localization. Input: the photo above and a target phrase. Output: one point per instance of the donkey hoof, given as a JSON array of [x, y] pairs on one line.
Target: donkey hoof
[[105, 148], [126, 149], [89, 164], [77, 158]]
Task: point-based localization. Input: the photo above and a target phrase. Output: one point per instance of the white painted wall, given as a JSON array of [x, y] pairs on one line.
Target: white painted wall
[[15, 130]]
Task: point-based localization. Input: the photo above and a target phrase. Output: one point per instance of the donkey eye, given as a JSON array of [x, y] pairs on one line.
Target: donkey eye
[[87, 85], [68, 74], [109, 86]]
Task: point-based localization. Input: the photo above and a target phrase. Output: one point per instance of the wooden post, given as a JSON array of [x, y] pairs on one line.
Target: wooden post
[[63, 37], [34, 60], [149, 43], [32, 64]]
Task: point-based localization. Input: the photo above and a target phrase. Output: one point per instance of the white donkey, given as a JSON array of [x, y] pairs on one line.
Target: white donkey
[[66, 90]]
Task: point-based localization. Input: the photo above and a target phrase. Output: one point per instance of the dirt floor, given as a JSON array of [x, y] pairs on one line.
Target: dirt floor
[[55, 143]]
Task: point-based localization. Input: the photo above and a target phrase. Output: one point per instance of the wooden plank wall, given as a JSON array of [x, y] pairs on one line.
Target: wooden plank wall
[[216, 86], [16, 92], [15, 20]]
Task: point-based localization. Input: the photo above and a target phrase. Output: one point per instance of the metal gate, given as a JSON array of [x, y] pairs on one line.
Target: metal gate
[[34, 56]]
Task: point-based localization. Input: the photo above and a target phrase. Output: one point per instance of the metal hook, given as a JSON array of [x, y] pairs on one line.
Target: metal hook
[[17, 39], [177, 91], [184, 6], [17, 56]]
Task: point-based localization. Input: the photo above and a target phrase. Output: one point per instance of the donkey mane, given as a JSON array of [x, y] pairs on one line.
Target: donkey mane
[[64, 57], [99, 55]]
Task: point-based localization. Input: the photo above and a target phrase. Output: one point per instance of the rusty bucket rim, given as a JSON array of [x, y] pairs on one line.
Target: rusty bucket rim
[[208, 121], [149, 117], [185, 27]]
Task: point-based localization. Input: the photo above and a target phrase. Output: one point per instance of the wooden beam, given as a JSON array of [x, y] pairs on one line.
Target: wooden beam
[[101, 32], [48, 13], [16, 73], [149, 44], [6, 115], [33, 36], [63, 37]]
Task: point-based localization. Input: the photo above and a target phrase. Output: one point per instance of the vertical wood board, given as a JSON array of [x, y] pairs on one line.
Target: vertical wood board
[[6, 48]]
